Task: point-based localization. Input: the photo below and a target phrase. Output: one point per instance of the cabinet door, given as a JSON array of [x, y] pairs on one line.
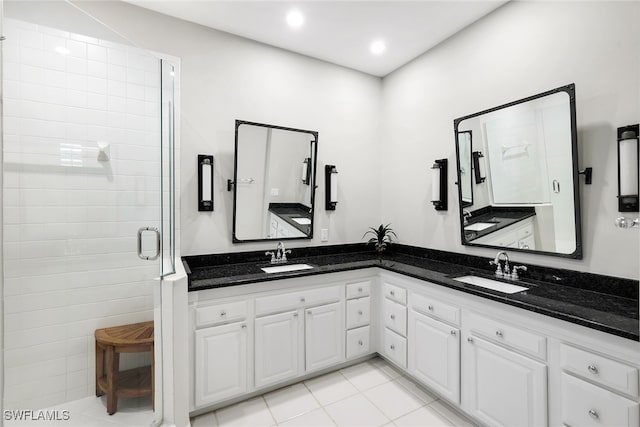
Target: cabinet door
[[276, 348], [504, 388], [324, 336], [434, 354], [221, 362]]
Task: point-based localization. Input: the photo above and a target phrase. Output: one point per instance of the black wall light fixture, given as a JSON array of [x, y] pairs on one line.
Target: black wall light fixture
[[439, 184], [479, 168], [331, 187], [306, 171], [205, 182], [628, 172]]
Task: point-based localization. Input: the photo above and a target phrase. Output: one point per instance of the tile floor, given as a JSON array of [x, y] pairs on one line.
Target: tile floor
[[368, 394]]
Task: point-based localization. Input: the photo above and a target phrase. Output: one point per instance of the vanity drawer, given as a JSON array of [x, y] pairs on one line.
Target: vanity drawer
[[395, 316], [358, 312], [358, 342], [599, 369], [358, 289], [221, 313], [435, 308], [510, 335], [395, 347], [585, 405], [292, 300], [395, 293]]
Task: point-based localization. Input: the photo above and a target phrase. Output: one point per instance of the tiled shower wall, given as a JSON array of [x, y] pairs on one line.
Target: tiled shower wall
[[70, 218]]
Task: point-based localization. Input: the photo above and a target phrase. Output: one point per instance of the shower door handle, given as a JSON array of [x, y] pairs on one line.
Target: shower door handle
[[157, 254]]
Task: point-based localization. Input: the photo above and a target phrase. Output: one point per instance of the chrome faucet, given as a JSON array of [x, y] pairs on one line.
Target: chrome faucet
[[280, 255], [499, 271], [466, 215]]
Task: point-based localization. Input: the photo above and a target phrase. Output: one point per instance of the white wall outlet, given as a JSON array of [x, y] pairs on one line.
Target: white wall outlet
[[275, 191], [324, 235]]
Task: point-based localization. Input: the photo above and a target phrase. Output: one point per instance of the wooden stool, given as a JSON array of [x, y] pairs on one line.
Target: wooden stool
[[138, 382]]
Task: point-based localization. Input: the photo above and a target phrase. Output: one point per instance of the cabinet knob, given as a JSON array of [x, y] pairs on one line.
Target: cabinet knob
[[359, 289], [223, 313], [309, 312], [360, 312], [392, 293], [470, 340], [392, 347], [295, 314], [593, 414], [302, 299], [360, 342], [453, 332], [593, 369], [430, 308], [244, 326], [393, 316], [499, 333]]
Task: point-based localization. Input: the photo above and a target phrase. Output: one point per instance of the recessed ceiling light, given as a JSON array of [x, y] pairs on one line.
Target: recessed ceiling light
[[63, 50], [295, 19], [377, 47]]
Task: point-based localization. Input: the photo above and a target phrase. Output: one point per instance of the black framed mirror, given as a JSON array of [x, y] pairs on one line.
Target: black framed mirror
[[274, 182], [524, 186]]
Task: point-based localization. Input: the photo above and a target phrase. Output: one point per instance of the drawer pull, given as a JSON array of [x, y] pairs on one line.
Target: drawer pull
[[593, 414], [223, 313], [392, 293], [244, 326], [302, 299], [392, 347], [470, 340], [499, 333], [360, 312], [309, 312], [359, 289], [430, 308], [393, 317], [593, 369], [453, 332], [295, 314], [360, 342]]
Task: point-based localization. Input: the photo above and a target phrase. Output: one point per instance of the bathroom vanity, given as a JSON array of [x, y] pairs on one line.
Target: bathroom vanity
[[554, 354]]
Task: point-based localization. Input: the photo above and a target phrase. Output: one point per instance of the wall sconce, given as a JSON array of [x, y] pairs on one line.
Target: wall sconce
[[439, 184], [331, 187], [628, 174], [306, 171], [479, 167], [205, 182]]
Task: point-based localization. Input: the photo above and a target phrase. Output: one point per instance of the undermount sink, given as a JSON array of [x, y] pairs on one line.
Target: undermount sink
[[302, 221], [479, 226], [491, 284], [285, 268]]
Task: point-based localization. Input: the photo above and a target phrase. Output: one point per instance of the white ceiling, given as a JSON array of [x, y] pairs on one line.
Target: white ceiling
[[337, 31]]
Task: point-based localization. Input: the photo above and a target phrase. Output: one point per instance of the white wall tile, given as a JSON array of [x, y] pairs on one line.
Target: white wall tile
[[97, 69]]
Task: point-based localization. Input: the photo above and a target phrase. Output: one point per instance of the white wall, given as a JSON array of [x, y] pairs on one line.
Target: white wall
[[226, 78], [519, 50], [70, 220]]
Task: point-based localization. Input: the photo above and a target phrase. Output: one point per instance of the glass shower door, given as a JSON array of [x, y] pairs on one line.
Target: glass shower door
[[88, 175]]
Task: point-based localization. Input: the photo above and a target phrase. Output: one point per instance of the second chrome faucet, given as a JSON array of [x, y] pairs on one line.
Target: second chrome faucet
[[280, 254]]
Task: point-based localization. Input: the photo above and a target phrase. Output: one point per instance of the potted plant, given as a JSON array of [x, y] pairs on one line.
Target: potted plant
[[381, 237]]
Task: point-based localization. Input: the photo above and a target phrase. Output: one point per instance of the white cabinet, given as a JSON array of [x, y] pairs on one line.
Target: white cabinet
[[585, 404], [519, 235], [277, 343], [434, 354], [504, 388], [324, 342], [221, 362], [394, 319], [280, 228]]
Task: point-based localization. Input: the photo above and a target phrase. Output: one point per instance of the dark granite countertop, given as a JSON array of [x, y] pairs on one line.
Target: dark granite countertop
[[599, 302]]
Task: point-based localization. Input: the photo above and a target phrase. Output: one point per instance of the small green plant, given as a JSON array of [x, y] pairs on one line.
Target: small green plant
[[381, 237]]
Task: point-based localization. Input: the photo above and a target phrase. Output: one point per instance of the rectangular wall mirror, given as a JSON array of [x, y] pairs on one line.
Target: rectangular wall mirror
[[518, 175], [274, 182]]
